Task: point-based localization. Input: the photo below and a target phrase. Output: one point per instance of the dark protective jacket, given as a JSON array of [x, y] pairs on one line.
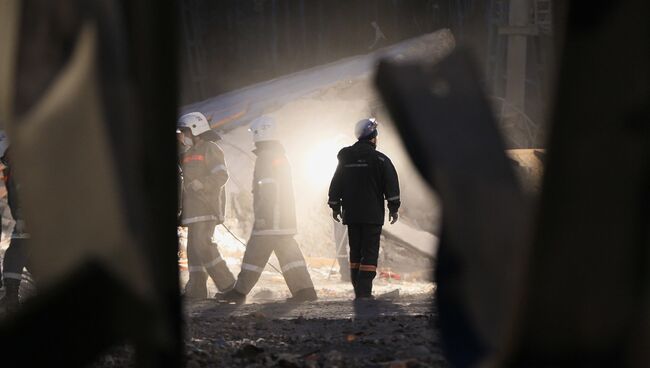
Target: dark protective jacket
[[364, 178], [12, 189], [204, 162], [273, 199], [13, 197]]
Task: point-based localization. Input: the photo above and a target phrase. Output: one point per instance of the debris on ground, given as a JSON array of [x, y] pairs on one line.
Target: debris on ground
[[324, 334]]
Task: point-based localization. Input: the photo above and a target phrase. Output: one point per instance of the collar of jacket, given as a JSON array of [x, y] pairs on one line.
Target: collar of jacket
[[198, 144], [365, 142], [273, 146]]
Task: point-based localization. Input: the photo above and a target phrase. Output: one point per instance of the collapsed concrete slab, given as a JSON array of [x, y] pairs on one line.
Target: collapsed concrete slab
[[419, 241], [238, 107]]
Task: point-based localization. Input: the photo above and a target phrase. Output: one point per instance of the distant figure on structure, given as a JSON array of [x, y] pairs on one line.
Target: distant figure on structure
[[363, 180], [379, 35], [204, 175], [275, 221]]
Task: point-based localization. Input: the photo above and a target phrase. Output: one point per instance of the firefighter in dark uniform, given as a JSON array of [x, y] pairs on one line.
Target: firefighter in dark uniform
[[203, 198], [275, 221], [363, 180], [15, 259]]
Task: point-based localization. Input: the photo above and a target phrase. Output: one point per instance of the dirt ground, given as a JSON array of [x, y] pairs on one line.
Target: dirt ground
[[393, 331], [388, 332]]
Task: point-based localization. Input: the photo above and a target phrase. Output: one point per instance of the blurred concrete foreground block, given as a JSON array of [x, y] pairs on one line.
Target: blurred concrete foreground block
[[64, 143]]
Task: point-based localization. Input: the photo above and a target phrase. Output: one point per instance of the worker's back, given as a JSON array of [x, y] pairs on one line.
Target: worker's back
[[364, 178], [273, 198]]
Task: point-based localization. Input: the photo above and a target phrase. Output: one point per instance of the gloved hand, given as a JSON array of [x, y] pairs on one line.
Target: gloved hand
[[195, 185], [19, 228], [336, 215], [393, 217]]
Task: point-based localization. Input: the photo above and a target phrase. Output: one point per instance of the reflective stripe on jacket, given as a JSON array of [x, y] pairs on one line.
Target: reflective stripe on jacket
[[206, 163]]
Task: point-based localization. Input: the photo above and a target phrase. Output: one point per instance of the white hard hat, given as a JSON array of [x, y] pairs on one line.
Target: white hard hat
[[263, 129], [4, 142], [195, 121], [366, 128]]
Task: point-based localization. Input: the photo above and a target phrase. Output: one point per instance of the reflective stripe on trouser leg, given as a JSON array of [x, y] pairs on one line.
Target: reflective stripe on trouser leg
[[257, 254], [194, 265], [12, 275], [367, 268], [219, 272], [196, 284], [294, 268], [199, 237], [370, 235]]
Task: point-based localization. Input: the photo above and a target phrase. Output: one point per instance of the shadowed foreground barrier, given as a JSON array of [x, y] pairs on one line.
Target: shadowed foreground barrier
[[90, 110], [575, 290]]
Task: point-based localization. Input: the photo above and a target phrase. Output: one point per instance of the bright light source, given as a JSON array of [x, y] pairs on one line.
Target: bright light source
[[319, 162]]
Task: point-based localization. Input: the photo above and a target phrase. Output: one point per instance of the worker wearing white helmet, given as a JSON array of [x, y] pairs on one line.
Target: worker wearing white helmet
[[365, 182], [275, 220], [204, 175]]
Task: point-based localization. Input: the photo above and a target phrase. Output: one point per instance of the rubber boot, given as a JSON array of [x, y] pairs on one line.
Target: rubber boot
[[364, 284], [354, 275], [232, 296], [196, 287], [11, 301], [304, 295]]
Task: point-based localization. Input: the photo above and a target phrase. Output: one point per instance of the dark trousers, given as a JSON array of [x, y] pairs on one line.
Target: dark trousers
[[15, 259], [364, 252]]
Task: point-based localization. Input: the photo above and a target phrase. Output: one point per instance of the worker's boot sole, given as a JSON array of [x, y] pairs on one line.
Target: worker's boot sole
[[231, 296]]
